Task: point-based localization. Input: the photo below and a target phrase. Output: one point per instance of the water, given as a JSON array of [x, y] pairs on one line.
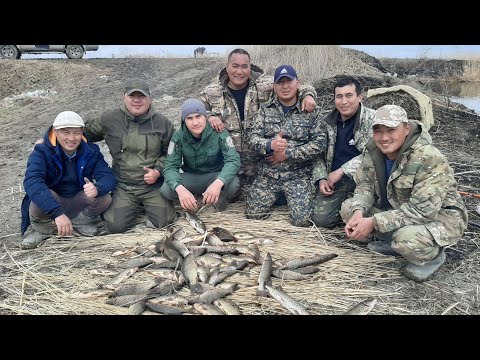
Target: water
[[465, 93]]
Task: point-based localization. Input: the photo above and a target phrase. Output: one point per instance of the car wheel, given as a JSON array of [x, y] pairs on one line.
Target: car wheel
[[74, 51], [9, 52]]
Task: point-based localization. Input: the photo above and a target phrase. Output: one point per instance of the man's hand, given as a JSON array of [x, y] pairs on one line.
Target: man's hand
[[186, 198], [210, 196], [216, 123], [64, 225], [308, 103], [151, 175], [358, 227], [324, 188], [89, 188], [279, 143], [335, 177], [277, 157]]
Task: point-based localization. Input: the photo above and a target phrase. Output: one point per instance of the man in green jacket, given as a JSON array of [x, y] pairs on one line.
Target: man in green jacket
[[208, 159], [137, 137], [406, 196]]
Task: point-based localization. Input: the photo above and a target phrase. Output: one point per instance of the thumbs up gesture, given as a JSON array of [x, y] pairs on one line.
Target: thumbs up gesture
[[151, 175], [279, 143], [89, 188]]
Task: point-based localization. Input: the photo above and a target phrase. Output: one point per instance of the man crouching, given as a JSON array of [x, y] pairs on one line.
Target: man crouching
[[67, 180]]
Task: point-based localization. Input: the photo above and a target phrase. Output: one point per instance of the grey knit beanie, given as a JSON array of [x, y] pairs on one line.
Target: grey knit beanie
[[191, 106]]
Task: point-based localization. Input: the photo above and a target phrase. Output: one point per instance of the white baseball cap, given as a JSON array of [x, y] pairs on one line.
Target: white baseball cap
[[68, 119]]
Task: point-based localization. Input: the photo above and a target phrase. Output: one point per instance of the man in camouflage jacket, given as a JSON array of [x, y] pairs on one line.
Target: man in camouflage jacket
[[288, 139], [235, 99], [406, 196], [137, 137], [349, 128]]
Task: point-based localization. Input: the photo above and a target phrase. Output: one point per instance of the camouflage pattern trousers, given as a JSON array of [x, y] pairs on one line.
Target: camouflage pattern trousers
[[326, 208], [265, 190], [417, 243], [128, 202]]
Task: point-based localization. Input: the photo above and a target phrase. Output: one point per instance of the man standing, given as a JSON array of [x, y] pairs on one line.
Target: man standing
[[137, 137], [235, 99], [349, 128], [67, 180], [208, 159], [288, 139], [406, 193]]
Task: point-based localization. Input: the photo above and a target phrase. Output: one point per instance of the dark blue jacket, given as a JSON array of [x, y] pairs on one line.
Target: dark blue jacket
[[45, 168]]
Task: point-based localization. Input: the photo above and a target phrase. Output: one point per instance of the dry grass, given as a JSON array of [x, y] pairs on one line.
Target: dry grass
[[312, 62], [51, 279], [472, 70]]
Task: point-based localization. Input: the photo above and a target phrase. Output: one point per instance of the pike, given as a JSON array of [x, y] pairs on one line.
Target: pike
[[135, 289], [288, 275], [303, 261], [195, 222], [362, 308], [189, 270], [287, 301], [265, 276]]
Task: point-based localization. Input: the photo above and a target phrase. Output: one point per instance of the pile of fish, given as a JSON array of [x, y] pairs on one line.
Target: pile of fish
[[202, 263]]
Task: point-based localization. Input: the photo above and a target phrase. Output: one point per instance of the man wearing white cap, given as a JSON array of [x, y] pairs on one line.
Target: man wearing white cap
[[67, 180], [406, 196]]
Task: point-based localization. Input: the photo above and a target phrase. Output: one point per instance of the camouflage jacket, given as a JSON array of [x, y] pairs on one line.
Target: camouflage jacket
[[362, 133], [305, 133], [220, 102], [134, 142], [421, 187]]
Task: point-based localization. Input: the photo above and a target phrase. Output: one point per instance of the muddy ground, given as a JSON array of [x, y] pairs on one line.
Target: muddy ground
[[33, 92]]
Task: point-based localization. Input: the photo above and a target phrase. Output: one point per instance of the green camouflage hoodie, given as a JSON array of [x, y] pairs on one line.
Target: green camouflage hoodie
[[362, 133], [421, 188], [214, 152], [134, 142]]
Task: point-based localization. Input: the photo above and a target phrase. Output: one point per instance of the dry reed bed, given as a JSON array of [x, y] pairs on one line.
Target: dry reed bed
[[48, 280]]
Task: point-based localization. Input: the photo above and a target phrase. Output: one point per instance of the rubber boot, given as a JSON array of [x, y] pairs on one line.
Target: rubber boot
[[382, 247], [41, 230], [222, 203], [84, 224], [424, 272]]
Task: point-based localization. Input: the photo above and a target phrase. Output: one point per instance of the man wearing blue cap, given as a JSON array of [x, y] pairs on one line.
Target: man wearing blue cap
[[287, 139], [208, 159], [235, 98]]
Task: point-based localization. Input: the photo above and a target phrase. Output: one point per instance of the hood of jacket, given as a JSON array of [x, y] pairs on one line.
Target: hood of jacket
[[140, 119]]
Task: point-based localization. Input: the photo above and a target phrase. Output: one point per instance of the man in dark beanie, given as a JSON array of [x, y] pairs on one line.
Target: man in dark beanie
[[137, 137], [209, 161]]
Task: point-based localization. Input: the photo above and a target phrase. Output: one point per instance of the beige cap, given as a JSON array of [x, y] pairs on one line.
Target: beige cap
[[390, 115], [68, 119]]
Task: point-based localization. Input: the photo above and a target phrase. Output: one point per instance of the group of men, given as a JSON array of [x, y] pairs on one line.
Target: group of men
[[377, 171]]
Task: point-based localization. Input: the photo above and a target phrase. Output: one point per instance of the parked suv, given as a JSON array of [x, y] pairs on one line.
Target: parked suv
[[72, 51]]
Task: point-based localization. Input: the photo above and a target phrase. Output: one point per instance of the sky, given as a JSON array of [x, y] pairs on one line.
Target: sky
[[394, 51]]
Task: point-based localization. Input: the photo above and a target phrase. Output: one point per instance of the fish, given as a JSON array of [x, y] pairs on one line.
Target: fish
[[210, 296], [228, 307], [261, 241], [170, 251], [126, 300], [265, 276], [180, 247], [292, 305], [288, 275], [224, 249], [224, 234], [120, 278], [145, 252], [139, 262], [135, 289], [307, 270], [214, 240], [189, 270], [362, 308], [137, 308], [167, 309], [208, 309], [203, 273], [303, 261], [195, 222]]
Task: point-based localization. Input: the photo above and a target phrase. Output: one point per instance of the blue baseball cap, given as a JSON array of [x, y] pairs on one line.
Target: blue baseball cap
[[285, 71]]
